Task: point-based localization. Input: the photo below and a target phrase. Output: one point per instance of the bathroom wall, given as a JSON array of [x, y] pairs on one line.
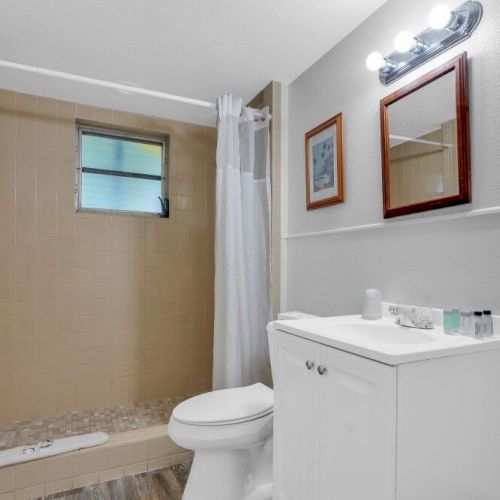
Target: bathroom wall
[[99, 309], [271, 97], [437, 262]]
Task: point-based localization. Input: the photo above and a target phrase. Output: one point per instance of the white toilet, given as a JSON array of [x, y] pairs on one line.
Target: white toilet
[[230, 432]]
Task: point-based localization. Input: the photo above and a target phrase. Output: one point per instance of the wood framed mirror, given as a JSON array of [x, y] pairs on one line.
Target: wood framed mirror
[[425, 142]]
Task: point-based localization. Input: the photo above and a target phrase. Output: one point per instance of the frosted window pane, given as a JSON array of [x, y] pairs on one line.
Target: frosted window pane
[[124, 155], [110, 192]]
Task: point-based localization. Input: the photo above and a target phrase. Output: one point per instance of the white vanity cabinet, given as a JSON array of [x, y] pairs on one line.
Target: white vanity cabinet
[[347, 427], [334, 416]]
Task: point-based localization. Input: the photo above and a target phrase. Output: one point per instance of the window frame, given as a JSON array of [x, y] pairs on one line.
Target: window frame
[[162, 140]]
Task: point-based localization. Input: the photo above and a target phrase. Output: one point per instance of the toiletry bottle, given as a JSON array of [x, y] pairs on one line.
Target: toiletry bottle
[[466, 322], [488, 324], [448, 321], [478, 325], [455, 321]]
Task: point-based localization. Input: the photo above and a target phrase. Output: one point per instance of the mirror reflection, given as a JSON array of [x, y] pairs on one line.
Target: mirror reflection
[[423, 144]]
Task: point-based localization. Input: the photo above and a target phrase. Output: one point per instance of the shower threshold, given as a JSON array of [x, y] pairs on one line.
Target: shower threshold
[[50, 447], [138, 442]]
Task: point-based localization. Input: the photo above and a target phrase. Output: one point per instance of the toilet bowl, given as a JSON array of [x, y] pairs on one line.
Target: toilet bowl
[[230, 432]]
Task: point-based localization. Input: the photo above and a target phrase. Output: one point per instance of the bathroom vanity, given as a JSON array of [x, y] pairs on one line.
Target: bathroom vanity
[[369, 410]]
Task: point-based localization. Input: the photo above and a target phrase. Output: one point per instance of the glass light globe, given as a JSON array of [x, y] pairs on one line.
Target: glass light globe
[[375, 61], [404, 41], [440, 17]]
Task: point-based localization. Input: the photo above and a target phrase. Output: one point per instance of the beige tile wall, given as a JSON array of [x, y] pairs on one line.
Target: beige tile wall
[[417, 169], [99, 309]]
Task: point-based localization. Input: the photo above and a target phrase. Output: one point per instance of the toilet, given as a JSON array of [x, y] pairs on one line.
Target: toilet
[[230, 432]]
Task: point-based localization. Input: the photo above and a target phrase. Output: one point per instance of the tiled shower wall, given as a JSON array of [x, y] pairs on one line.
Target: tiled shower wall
[[99, 309]]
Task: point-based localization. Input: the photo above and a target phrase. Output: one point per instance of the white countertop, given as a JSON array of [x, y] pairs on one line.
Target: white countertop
[[382, 340]]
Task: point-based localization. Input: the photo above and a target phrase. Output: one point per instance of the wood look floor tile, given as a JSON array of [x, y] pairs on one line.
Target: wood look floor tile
[[164, 484]]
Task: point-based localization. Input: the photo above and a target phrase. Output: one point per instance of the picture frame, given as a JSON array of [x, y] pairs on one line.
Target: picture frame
[[325, 164]]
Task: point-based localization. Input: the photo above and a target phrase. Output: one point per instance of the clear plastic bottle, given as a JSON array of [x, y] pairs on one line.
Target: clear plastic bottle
[[488, 324], [466, 323], [478, 325]]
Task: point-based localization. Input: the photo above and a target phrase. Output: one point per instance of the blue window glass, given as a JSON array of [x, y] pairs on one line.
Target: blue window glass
[[111, 192], [122, 173], [123, 155]]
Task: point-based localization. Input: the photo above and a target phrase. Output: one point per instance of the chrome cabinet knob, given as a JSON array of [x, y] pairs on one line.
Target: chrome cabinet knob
[[321, 369], [309, 364]]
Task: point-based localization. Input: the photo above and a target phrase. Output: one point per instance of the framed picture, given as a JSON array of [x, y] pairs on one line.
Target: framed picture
[[324, 164]]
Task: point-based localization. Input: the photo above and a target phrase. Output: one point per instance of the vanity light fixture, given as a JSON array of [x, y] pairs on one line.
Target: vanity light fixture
[[375, 61], [405, 41], [440, 17], [447, 28]]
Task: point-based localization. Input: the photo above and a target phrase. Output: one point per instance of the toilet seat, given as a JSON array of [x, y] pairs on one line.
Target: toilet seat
[[226, 406]]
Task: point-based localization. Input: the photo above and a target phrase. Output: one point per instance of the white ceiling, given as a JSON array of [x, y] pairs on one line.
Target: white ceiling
[[193, 48]]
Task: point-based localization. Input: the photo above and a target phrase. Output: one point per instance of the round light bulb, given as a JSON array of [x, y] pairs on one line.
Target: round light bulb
[[440, 17], [375, 61], [405, 41]]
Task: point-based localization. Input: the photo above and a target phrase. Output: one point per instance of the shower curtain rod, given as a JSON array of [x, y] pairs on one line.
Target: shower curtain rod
[[103, 83], [112, 85]]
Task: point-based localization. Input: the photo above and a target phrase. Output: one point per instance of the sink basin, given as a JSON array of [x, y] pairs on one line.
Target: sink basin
[[385, 334], [383, 340]]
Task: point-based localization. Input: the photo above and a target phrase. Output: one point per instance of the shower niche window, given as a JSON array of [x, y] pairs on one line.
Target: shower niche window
[[121, 172]]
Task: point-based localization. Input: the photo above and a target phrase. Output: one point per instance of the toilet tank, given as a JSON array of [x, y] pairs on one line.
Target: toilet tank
[[295, 315]]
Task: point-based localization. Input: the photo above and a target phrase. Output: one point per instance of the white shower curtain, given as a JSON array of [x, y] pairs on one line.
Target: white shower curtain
[[242, 248]]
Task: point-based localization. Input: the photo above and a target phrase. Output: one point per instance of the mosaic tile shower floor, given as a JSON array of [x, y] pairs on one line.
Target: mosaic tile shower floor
[[110, 419]]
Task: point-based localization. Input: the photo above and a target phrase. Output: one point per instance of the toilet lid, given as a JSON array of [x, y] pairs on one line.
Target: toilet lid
[[227, 406]]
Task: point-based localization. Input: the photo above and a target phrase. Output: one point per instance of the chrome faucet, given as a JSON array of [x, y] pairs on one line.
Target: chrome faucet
[[412, 316]]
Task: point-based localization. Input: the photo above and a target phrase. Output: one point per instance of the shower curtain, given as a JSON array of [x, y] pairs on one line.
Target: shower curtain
[[242, 247]]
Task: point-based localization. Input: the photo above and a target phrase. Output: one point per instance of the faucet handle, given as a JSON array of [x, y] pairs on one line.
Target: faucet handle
[[394, 309], [415, 317]]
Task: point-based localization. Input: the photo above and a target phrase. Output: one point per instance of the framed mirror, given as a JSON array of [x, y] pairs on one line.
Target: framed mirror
[[425, 142]]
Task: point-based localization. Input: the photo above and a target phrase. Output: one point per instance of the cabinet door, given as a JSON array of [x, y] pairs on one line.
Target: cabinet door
[[357, 425], [295, 418]]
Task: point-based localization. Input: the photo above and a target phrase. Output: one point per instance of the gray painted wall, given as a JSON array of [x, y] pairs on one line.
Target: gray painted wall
[[439, 263]]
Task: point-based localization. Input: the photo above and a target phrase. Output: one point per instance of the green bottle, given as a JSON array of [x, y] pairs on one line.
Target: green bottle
[[448, 321], [455, 321]]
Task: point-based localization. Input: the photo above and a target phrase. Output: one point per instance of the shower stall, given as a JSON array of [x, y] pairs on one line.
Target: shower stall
[[106, 318]]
